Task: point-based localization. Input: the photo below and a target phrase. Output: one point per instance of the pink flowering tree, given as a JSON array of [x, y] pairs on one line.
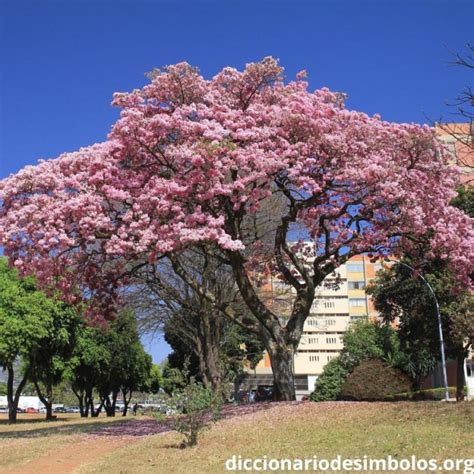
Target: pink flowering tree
[[239, 166]]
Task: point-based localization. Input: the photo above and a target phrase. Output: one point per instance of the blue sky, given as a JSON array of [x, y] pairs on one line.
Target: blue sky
[[62, 60]]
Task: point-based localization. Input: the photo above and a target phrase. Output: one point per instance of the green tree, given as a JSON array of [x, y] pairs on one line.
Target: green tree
[[89, 366], [372, 340], [48, 362], [109, 361], [27, 323], [173, 379], [401, 295], [3, 388], [465, 200], [155, 380], [330, 382], [130, 366]]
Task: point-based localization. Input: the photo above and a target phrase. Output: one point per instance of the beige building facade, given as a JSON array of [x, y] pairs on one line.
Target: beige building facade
[[335, 307]]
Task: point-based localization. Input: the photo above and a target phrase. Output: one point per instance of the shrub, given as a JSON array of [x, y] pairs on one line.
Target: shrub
[[330, 383], [196, 407], [374, 380]]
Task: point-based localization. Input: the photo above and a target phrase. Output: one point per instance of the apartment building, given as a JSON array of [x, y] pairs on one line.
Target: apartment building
[[459, 140], [341, 300]]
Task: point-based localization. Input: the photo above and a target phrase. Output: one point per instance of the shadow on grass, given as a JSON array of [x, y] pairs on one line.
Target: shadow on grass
[[61, 429], [133, 427], [150, 426]]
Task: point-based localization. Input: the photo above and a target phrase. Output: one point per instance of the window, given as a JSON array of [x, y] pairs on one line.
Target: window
[[313, 322], [357, 302], [355, 267], [313, 340], [330, 357], [356, 285], [357, 318], [314, 358], [331, 340], [330, 322], [328, 304]]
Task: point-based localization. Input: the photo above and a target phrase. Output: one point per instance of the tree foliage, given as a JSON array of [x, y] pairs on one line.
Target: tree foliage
[[33, 328], [109, 361], [401, 295]]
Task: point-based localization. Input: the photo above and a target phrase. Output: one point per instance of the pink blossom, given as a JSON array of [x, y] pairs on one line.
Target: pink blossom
[[189, 155]]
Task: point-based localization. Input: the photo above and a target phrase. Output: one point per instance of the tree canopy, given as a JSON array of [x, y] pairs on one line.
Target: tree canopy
[[192, 162], [33, 328]]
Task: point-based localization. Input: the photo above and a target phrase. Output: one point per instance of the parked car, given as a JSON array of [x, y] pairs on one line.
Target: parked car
[[75, 409], [31, 410], [60, 410], [264, 393], [20, 410], [3, 409]]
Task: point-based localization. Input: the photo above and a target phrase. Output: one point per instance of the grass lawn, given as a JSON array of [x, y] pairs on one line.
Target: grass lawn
[[32, 436], [425, 429]]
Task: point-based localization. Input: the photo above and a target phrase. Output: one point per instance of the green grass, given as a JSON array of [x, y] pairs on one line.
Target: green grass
[[425, 429]]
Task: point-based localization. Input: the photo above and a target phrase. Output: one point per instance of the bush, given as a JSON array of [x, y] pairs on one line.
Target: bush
[[330, 383], [364, 340], [374, 380], [196, 407]]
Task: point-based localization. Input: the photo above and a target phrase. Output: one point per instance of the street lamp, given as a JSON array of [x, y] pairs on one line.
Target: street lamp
[[440, 328]]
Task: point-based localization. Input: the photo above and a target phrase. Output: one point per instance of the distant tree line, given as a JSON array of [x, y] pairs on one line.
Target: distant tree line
[[45, 344]]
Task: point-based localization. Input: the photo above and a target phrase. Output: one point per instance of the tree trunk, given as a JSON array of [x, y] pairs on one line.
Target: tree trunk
[[126, 401], [95, 413], [13, 397], [281, 357], [90, 403], [80, 398], [109, 405], [114, 400], [280, 342], [46, 400], [460, 382], [210, 335], [12, 408], [213, 373], [207, 352], [109, 410]]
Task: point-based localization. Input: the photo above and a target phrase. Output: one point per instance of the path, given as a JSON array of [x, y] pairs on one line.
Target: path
[[68, 459], [86, 448]]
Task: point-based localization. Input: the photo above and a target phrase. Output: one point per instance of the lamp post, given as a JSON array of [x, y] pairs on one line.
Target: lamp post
[[440, 328]]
